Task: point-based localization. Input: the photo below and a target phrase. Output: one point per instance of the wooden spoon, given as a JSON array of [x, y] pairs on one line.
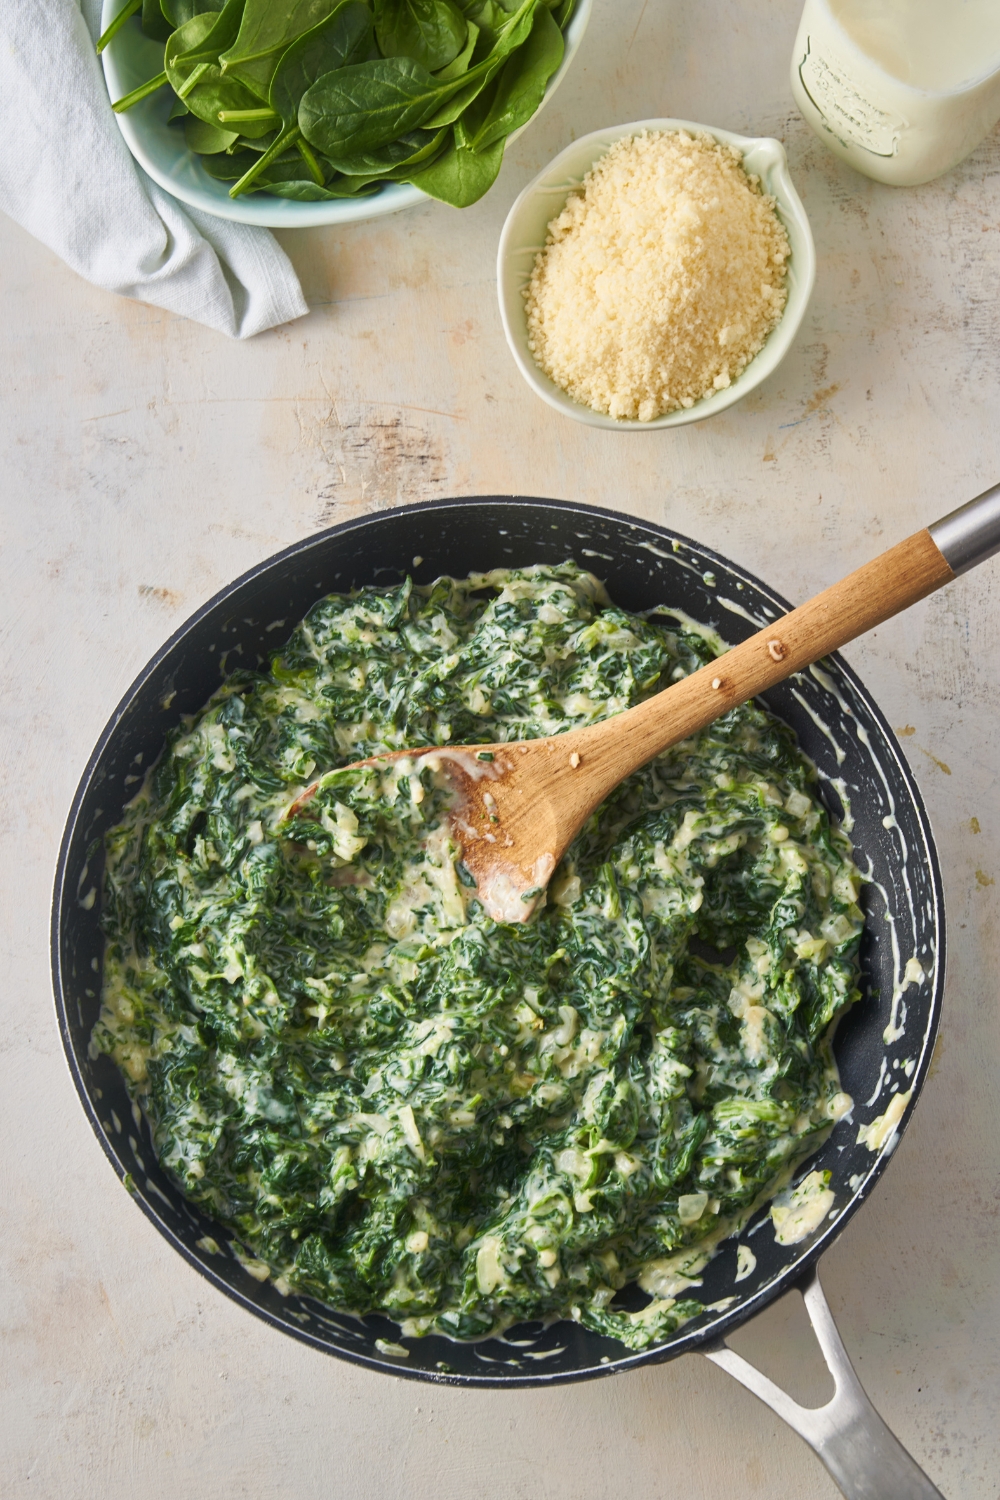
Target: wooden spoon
[[518, 806]]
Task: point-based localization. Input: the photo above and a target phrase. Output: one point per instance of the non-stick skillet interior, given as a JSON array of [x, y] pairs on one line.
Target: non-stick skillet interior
[[643, 565]]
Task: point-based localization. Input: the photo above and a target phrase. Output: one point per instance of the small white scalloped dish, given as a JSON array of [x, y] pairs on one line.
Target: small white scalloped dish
[[524, 232], [160, 149]]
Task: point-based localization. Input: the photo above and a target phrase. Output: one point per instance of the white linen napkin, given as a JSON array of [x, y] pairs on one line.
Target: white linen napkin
[[67, 176]]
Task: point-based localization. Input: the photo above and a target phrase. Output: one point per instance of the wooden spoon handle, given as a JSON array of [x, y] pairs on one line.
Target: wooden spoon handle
[[866, 597]]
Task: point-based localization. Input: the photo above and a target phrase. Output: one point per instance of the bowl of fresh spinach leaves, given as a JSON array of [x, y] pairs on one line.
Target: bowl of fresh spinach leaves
[[299, 112]]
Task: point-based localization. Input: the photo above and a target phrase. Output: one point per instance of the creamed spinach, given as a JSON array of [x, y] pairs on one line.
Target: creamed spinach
[[395, 1103]]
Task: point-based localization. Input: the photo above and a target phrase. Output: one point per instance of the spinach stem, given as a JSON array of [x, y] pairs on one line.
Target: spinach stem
[[192, 78], [233, 62], [129, 9], [248, 114], [276, 148], [142, 92], [315, 170]]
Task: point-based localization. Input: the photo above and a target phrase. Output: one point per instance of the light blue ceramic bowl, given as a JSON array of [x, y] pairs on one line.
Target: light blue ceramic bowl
[[160, 149], [524, 235]]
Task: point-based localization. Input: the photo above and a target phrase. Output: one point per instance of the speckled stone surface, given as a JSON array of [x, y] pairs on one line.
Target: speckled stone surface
[[146, 462]]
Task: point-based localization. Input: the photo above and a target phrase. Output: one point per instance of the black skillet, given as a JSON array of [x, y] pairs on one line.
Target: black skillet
[[862, 773]]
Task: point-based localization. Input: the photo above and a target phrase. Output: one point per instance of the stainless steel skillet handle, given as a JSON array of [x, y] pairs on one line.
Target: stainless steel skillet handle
[[863, 1457]]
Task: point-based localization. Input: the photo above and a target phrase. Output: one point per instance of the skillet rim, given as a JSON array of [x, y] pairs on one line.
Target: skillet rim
[[715, 1332]]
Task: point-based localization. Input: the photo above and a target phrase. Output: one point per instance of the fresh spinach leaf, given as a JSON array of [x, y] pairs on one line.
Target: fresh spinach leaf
[[515, 33], [339, 41], [366, 106], [187, 39], [287, 168], [489, 18], [267, 28], [405, 151], [229, 166], [207, 139], [460, 176], [177, 12], [460, 99], [523, 81], [154, 23], [463, 61], [201, 39], [304, 191], [431, 32], [473, 116], [259, 146]]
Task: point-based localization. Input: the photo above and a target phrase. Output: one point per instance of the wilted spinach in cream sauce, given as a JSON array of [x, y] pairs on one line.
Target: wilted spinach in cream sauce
[[393, 1102]]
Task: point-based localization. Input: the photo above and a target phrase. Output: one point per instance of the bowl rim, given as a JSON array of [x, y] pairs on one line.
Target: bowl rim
[[269, 211], [790, 210]]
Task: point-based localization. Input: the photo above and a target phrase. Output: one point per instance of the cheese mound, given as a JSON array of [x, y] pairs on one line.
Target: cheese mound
[[660, 279]]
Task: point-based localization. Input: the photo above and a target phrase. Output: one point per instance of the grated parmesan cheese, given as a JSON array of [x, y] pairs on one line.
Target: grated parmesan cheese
[[660, 279]]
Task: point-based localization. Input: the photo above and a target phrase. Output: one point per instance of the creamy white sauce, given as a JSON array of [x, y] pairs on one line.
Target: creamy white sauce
[[746, 1262], [882, 1133], [798, 1212]]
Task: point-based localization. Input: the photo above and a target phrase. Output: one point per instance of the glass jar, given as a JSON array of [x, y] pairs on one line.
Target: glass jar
[[901, 89]]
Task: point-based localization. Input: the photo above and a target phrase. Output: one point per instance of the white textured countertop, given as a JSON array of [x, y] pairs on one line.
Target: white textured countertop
[[146, 462]]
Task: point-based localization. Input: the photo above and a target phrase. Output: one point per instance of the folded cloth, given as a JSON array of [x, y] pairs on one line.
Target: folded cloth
[[67, 176]]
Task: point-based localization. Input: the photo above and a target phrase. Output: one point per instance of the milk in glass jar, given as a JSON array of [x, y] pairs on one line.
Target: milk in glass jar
[[901, 89]]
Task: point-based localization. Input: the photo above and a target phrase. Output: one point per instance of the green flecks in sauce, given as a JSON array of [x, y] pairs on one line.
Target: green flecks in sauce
[[396, 1103]]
